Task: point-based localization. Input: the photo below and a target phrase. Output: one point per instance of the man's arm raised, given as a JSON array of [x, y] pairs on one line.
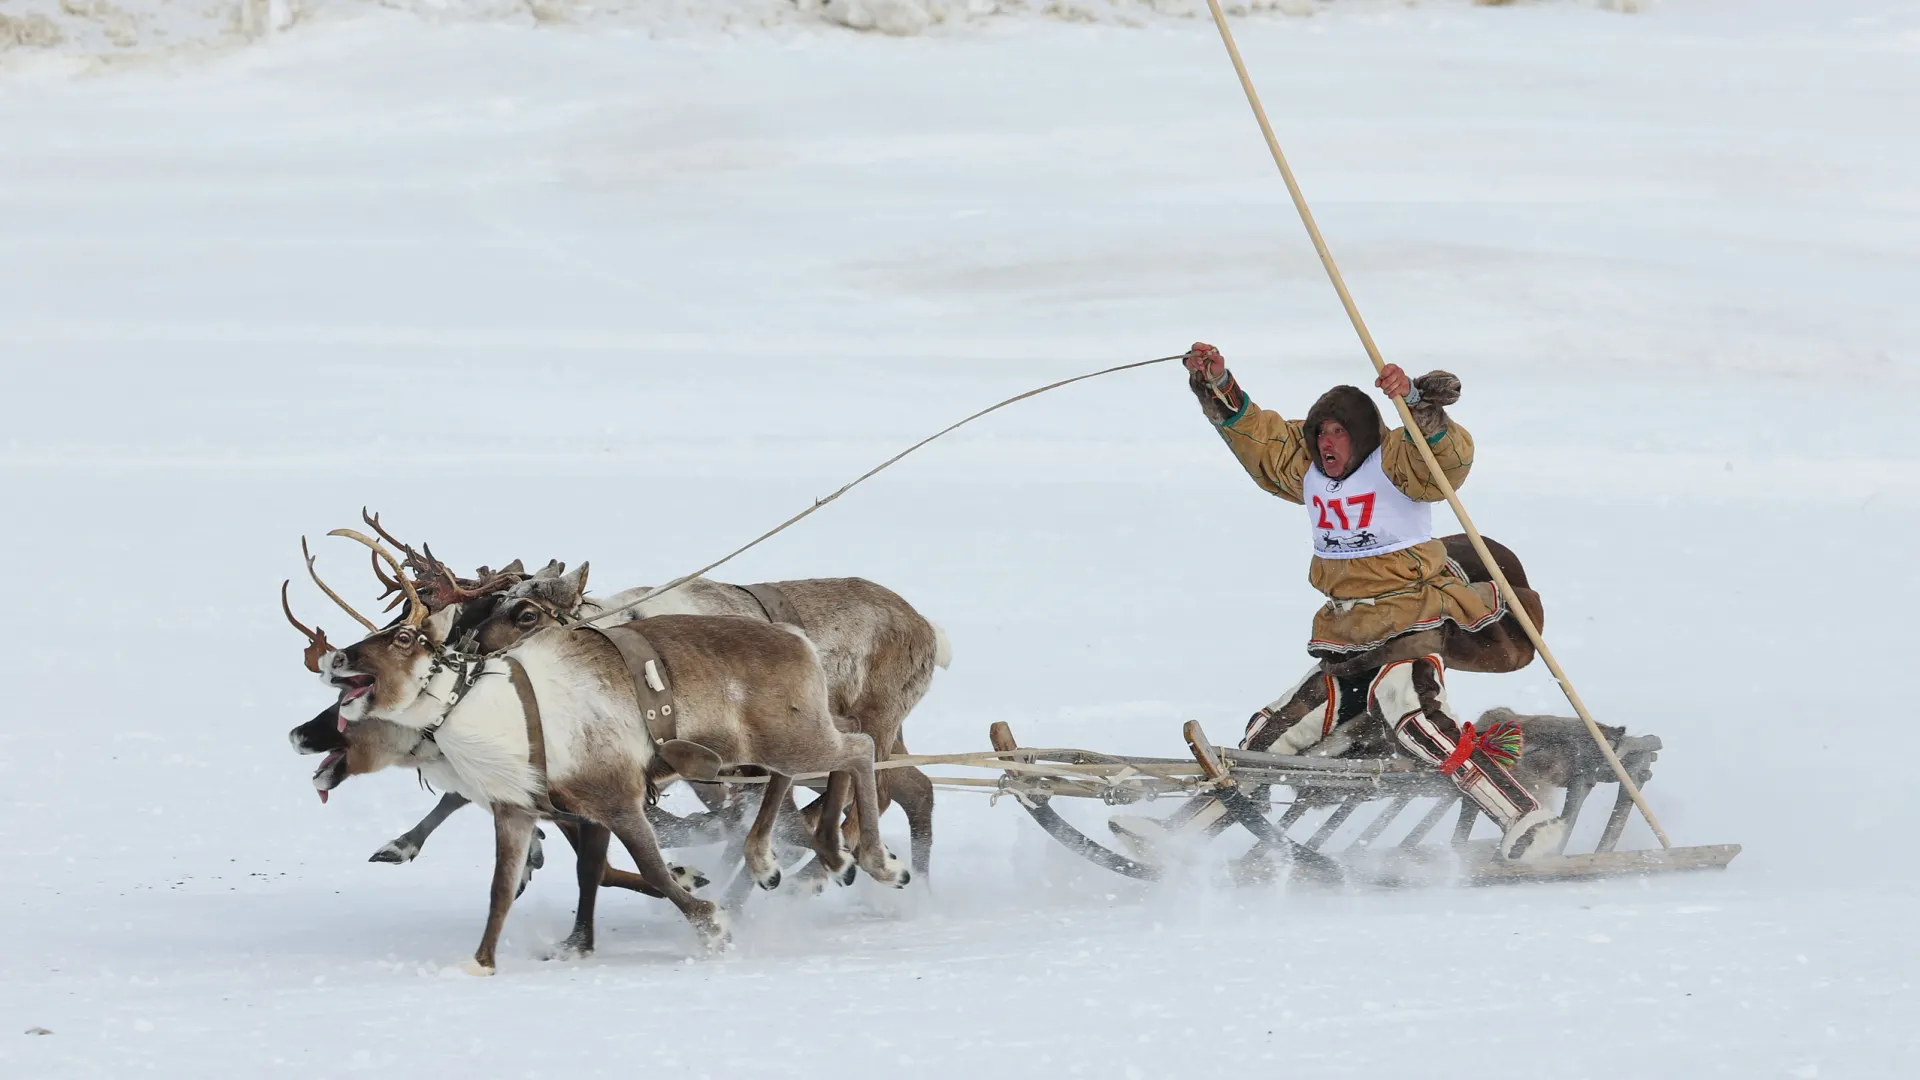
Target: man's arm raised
[[1427, 398], [1268, 446]]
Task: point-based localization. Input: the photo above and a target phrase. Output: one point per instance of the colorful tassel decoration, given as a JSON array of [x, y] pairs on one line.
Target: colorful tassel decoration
[[1502, 743]]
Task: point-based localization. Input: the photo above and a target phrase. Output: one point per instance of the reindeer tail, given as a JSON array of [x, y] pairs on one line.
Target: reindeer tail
[[942, 648]]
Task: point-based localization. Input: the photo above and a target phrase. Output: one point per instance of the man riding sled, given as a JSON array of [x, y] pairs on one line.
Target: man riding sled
[[1399, 611]]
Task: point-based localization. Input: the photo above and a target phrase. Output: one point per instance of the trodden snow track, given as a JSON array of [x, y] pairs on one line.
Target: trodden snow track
[[691, 285]]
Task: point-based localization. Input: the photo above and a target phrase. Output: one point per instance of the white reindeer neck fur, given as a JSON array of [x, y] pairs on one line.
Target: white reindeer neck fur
[[483, 737], [483, 742]]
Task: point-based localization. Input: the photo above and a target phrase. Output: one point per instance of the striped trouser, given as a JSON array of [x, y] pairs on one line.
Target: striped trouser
[[1409, 697]]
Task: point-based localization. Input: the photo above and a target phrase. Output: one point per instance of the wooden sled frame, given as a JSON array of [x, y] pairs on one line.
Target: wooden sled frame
[[1223, 788], [1239, 781]]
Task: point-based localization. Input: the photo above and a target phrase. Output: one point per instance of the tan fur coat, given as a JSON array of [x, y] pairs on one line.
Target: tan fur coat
[[1373, 599]]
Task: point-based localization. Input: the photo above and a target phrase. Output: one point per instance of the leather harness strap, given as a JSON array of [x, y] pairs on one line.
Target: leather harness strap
[[537, 743], [773, 602], [651, 687]]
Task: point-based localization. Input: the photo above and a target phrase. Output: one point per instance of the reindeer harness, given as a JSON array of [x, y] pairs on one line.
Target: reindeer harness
[[772, 601], [649, 673], [652, 688]]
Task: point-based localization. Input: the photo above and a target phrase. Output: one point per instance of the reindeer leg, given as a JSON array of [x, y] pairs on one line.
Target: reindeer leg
[[636, 835], [589, 865], [914, 792], [850, 828], [827, 844], [403, 848], [705, 827], [872, 856], [512, 832], [759, 847]]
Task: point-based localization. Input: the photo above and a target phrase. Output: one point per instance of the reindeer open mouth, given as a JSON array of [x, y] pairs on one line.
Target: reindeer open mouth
[[332, 771], [351, 686]]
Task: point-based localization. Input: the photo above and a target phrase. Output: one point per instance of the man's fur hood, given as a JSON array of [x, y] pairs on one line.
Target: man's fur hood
[[1354, 410]]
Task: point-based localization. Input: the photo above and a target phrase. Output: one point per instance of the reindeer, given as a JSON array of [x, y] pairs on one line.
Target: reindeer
[[878, 652], [747, 693]]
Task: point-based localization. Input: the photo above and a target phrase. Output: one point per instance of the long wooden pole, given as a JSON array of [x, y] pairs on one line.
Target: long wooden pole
[[1426, 452]]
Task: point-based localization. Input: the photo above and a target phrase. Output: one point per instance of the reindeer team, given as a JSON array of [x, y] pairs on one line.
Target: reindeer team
[[497, 689]]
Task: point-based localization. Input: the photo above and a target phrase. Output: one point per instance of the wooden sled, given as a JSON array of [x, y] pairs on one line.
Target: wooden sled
[[1227, 788]]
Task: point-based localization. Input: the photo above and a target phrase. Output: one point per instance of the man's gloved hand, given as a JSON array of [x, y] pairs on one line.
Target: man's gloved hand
[[1440, 388], [1211, 382], [1205, 361]]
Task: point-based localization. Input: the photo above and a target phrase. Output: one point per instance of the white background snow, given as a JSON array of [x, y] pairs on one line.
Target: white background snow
[[588, 292]]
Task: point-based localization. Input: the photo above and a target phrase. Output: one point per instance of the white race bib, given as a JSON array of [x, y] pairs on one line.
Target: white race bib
[[1363, 513]]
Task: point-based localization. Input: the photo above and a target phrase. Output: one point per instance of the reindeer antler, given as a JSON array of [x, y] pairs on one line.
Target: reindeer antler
[[450, 588], [373, 522], [434, 584], [389, 587], [317, 644], [344, 606], [417, 613]]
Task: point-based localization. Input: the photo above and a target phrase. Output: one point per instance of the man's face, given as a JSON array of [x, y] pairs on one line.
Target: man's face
[[1335, 447]]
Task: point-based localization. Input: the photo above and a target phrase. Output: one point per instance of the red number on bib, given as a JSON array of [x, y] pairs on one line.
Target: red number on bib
[[1365, 503], [1322, 507]]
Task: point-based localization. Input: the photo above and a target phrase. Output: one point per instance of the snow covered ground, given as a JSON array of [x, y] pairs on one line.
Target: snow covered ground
[[592, 295]]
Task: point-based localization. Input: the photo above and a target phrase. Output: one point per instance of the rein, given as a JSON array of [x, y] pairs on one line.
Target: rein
[[863, 478]]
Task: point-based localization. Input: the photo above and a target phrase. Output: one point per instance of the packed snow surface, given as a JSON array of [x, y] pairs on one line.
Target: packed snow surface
[[592, 294]]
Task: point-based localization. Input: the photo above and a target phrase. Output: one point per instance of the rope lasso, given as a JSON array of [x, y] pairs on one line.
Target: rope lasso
[[862, 478]]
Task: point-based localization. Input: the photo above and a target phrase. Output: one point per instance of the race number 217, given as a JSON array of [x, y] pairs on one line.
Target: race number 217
[[1363, 502]]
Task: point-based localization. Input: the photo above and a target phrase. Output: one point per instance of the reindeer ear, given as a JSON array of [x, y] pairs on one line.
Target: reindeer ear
[[569, 590], [440, 623], [553, 569], [513, 567]]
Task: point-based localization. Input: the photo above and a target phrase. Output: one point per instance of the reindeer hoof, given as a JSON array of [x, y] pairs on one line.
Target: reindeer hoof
[[537, 854], [844, 877], [716, 936], [889, 871], [689, 878], [475, 967], [570, 949], [395, 852], [770, 882]]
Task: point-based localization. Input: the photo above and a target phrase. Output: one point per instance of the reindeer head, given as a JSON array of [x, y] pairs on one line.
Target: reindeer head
[[324, 734], [546, 599], [384, 673], [366, 747], [384, 670]]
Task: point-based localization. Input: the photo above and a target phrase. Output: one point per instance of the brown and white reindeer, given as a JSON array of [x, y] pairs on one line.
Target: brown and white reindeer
[[553, 726], [877, 650]]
